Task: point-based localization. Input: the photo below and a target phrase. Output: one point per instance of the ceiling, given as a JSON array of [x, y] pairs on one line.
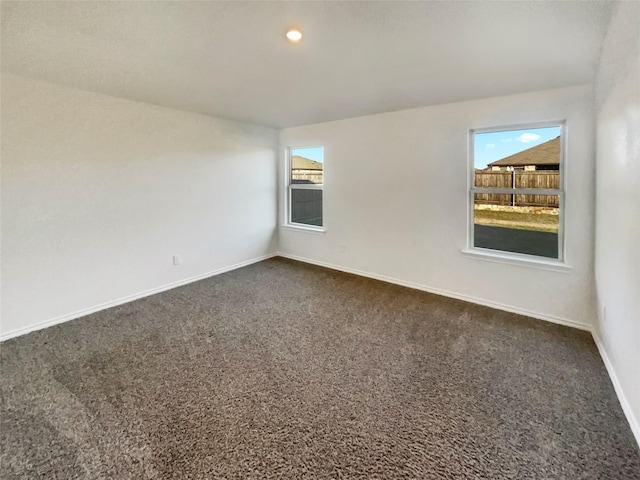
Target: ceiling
[[230, 59]]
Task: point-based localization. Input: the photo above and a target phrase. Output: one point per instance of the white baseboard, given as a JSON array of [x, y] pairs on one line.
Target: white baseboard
[[127, 299], [626, 407], [624, 403], [487, 303]]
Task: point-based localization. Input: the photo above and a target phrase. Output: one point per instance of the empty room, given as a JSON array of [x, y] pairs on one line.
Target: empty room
[[320, 240]]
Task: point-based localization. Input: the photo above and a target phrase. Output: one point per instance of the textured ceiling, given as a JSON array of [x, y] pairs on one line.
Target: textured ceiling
[[230, 59]]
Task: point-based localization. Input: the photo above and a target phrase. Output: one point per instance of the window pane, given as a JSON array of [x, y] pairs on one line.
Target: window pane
[[307, 165], [528, 158], [548, 179], [517, 223], [306, 206]]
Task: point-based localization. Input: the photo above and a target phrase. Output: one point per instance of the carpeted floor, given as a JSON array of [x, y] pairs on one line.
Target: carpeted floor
[[286, 370]]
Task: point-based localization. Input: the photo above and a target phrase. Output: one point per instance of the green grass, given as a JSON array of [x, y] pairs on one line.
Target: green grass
[[539, 222]]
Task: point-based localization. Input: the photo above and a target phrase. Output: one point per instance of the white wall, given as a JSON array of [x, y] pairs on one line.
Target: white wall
[[617, 258], [395, 202], [99, 193]]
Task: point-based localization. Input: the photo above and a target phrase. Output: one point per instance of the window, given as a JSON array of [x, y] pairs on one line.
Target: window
[[516, 196], [305, 184]]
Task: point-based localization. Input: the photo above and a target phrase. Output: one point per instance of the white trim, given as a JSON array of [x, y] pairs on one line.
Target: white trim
[[560, 192], [617, 386], [306, 186], [300, 186], [519, 126], [624, 403], [300, 227], [518, 191], [127, 299], [487, 303], [519, 259]]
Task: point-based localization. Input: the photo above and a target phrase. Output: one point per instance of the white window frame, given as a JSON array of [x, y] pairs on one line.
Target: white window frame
[[303, 186], [513, 257]]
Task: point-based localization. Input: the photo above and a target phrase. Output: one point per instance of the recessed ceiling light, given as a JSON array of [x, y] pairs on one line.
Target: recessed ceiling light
[[294, 35]]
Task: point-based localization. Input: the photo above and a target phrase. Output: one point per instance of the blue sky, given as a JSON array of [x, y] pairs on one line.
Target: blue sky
[[493, 146], [314, 153]]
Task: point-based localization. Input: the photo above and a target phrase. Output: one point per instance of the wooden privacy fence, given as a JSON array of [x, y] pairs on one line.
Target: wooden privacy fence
[[306, 176], [547, 179]]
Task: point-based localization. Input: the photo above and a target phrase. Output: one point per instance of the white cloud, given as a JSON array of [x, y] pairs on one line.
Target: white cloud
[[491, 145], [527, 138]]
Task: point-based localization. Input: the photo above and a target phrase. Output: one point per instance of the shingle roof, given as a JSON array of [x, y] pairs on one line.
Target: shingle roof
[[547, 153], [302, 163]]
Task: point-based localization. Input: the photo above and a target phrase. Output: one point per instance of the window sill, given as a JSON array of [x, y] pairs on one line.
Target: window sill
[[523, 261], [304, 228]]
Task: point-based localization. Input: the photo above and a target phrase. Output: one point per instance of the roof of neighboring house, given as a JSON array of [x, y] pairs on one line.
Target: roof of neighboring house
[[547, 153], [302, 163]]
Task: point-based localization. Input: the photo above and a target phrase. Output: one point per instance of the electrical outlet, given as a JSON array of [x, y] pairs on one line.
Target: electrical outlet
[[177, 260]]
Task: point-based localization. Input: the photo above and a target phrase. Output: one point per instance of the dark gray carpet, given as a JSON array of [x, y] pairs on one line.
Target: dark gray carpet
[[286, 370]]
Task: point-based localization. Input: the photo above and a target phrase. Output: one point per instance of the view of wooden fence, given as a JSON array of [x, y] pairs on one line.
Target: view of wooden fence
[[547, 179], [306, 176]]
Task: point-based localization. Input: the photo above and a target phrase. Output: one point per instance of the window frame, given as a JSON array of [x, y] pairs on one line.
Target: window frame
[[503, 255], [302, 186]]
